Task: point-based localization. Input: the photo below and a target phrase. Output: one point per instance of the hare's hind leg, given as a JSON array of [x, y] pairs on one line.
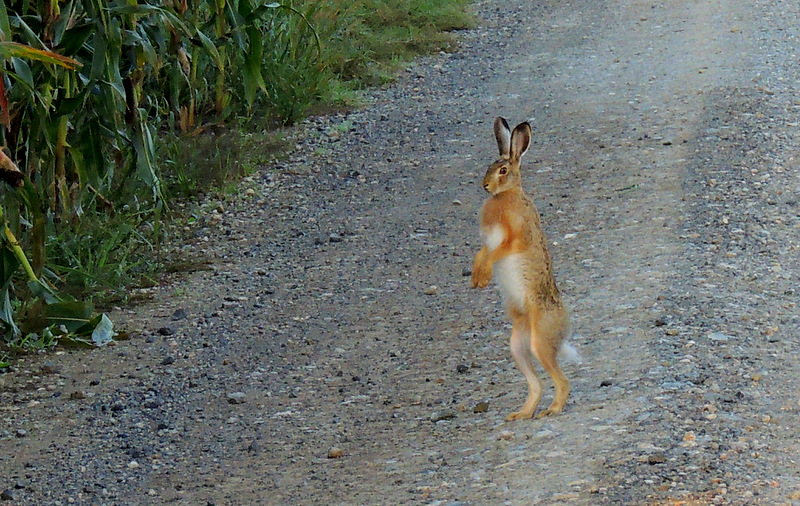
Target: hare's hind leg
[[546, 353], [521, 351]]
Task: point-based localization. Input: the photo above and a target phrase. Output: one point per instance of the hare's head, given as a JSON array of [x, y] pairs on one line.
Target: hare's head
[[504, 174]]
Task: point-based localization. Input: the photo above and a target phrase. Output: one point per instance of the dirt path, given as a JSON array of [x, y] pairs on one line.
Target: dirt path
[[338, 318]]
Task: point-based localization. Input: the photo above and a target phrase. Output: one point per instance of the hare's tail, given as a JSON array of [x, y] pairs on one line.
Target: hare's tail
[[568, 353]]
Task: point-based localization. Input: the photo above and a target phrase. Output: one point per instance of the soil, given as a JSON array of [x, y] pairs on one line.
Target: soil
[[335, 353]]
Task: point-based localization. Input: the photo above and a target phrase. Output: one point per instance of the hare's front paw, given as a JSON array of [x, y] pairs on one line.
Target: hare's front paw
[[481, 277]]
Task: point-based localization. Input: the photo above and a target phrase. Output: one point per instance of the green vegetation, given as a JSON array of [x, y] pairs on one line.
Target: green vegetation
[[110, 111]]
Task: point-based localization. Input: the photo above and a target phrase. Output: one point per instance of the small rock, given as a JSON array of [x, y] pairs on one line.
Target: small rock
[[21, 433], [77, 395], [117, 406], [462, 368], [606, 383], [335, 238], [133, 465], [335, 453], [718, 337], [152, 403], [179, 314], [431, 290], [168, 361], [49, 368], [456, 202], [165, 331], [657, 458], [237, 398], [444, 415], [506, 435], [481, 407], [7, 495], [466, 272]]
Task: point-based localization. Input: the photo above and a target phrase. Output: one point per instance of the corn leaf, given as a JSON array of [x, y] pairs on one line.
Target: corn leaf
[[14, 49]]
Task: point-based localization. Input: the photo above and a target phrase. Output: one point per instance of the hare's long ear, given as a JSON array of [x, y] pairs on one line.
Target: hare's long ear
[[502, 132], [520, 141]]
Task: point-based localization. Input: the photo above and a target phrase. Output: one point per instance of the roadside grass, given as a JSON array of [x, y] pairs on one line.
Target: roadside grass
[[364, 43]]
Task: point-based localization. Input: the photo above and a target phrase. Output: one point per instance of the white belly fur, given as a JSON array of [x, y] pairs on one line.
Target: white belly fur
[[508, 272], [493, 237]]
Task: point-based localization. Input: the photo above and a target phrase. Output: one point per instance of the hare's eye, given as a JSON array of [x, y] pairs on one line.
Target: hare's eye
[[503, 171]]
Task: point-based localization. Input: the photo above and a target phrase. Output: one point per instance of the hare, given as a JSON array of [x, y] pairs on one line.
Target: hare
[[516, 249]]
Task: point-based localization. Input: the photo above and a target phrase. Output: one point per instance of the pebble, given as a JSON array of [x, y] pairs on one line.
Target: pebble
[[21, 433], [179, 314], [335, 453], [481, 407], [49, 367], [237, 398], [77, 395], [506, 435], [7, 495], [335, 238], [443, 415], [165, 331], [656, 458], [456, 202], [168, 361], [718, 337], [431, 290]]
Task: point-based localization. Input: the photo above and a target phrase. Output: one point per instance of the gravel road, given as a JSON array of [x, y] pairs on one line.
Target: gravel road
[[334, 352]]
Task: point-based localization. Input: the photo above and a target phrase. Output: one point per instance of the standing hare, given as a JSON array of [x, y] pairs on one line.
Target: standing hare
[[516, 249]]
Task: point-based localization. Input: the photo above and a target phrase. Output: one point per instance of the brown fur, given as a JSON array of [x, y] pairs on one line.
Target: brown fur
[[510, 225]]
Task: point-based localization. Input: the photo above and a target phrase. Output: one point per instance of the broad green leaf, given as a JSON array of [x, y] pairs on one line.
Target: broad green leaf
[[23, 71], [40, 290], [253, 80], [5, 27], [9, 263], [72, 315], [99, 57], [74, 39], [211, 49]]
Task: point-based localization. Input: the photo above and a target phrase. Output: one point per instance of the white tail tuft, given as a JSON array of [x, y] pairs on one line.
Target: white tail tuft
[[568, 353]]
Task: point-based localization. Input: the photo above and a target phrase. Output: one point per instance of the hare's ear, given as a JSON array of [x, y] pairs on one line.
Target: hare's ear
[[520, 140], [502, 132]]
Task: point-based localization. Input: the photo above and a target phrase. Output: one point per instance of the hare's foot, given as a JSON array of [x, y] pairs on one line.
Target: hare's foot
[[519, 415], [549, 412]]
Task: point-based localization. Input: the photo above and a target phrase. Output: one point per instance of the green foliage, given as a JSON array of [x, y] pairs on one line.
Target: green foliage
[[382, 35], [110, 108]]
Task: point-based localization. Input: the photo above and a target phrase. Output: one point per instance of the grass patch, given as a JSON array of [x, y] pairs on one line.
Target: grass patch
[[363, 42], [380, 36]]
